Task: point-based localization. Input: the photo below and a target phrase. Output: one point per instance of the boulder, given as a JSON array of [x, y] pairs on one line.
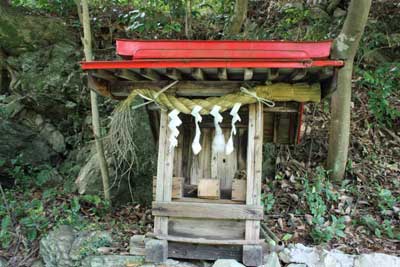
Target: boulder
[[314, 257], [376, 259], [227, 263], [53, 137], [3, 262], [65, 247], [19, 140], [339, 13], [89, 181], [112, 261], [55, 247], [88, 243], [38, 263], [272, 260]]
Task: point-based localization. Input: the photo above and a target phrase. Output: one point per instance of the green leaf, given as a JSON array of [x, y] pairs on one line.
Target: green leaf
[[287, 237]]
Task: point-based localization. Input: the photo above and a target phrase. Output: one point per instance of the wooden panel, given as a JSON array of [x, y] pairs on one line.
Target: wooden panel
[[254, 166], [207, 210], [199, 200], [209, 241], [178, 156], [224, 167], [200, 165], [209, 189], [204, 252], [211, 229], [239, 190]]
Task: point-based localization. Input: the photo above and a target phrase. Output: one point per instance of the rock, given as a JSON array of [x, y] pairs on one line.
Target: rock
[[38, 263], [3, 262], [376, 259], [87, 243], [113, 261], [297, 265], [53, 137], [313, 257], [89, 181], [227, 263], [175, 263], [17, 139], [338, 13], [272, 260], [56, 246]]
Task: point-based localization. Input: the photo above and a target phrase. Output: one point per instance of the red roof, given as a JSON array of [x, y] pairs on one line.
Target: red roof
[[218, 54]]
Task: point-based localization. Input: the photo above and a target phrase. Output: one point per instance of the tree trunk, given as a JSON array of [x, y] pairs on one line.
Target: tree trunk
[[188, 19], [83, 9], [239, 16], [345, 48]]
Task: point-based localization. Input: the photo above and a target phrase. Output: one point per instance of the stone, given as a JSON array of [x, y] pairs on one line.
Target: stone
[[38, 263], [252, 255], [56, 246], [338, 13], [88, 243], [297, 265], [18, 140], [113, 261], [272, 260], [376, 259], [53, 137], [3, 262], [89, 180], [313, 257], [227, 263], [156, 251]]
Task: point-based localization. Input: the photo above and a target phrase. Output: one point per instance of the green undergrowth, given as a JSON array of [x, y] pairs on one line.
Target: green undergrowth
[[329, 210]]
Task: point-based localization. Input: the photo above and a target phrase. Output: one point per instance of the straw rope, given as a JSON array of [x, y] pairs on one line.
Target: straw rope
[[261, 93]]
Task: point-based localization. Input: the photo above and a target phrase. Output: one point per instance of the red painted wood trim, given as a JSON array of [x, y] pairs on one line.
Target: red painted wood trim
[[130, 48], [136, 64]]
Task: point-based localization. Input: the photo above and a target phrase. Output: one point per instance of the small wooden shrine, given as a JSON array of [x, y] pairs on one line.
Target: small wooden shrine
[[214, 104]]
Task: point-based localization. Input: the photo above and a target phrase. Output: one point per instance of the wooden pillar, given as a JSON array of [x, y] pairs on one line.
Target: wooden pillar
[[164, 173], [252, 255]]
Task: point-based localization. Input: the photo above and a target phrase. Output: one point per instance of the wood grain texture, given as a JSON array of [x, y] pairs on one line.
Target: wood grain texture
[[164, 173], [208, 241], [203, 251], [254, 166], [206, 228], [208, 211]]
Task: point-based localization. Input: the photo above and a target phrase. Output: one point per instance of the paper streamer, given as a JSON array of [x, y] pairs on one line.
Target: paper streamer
[[235, 118], [173, 124], [218, 144], [196, 147]]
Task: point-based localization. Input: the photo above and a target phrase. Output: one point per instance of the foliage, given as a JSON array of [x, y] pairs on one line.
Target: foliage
[[319, 195], [36, 215], [382, 84], [268, 201]]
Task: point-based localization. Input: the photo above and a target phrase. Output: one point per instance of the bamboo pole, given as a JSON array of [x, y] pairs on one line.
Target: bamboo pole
[[83, 10]]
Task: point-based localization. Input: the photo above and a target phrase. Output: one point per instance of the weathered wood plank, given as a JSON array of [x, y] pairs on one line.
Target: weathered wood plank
[[127, 75], [253, 255], [200, 165], [164, 173], [199, 200], [222, 74], [203, 251], [198, 74], [209, 241], [224, 167], [183, 88], [254, 166], [207, 210], [174, 74], [206, 228]]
